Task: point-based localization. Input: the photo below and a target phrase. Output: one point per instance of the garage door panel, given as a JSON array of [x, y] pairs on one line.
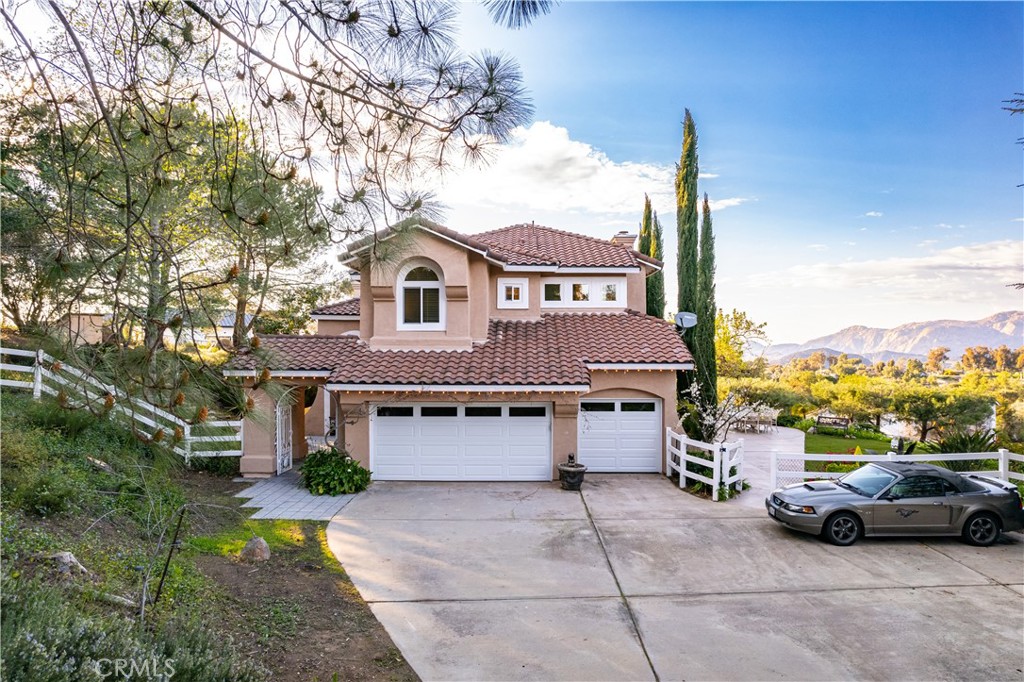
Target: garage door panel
[[437, 472], [620, 435], [485, 442], [485, 428]]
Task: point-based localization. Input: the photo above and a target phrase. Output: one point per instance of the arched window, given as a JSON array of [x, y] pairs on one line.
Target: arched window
[[421, 298]]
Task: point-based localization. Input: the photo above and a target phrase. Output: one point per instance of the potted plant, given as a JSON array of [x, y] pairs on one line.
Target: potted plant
[[570, 473]]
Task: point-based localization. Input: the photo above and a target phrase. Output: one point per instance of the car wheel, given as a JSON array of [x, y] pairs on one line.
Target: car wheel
[[842, 529], [981, 530]]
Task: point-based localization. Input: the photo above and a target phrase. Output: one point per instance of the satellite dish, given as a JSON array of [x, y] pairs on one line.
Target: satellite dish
[[686, 320]]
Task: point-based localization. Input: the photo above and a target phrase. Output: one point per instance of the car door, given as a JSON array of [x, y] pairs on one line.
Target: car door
[[914, 505]]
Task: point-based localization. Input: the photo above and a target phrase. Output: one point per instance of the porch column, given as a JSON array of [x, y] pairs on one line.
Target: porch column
[[299, 447], [259, 447], [563, 431]]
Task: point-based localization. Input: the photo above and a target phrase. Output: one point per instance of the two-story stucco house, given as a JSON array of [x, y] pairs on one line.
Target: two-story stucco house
[[477, 357]]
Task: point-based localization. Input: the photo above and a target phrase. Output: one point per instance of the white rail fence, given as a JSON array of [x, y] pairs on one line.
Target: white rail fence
[[725, 460], [52, 377], [786, 468]]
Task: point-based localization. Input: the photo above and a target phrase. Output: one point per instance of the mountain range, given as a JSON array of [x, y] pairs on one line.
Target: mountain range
[[914, 339]]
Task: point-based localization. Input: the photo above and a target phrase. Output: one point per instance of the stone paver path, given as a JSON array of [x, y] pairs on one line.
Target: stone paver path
[[283, 497]]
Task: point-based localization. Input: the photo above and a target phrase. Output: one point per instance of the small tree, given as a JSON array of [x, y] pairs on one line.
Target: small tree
[[937, 358], [687, 237]]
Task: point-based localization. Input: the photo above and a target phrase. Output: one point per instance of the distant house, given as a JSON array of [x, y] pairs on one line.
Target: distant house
[[86, 327]]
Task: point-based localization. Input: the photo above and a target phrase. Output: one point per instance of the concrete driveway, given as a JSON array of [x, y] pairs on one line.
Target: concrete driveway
[[636, 580]]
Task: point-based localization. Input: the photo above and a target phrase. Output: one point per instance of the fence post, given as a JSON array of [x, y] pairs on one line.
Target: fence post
[[773, 473], [188, 445], [716, 473], [739, 467], [1004, 464], [37, 375]]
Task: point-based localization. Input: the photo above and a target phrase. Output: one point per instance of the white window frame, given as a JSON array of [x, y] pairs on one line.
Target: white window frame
[[596, 284], [400, 286], [524, 293]]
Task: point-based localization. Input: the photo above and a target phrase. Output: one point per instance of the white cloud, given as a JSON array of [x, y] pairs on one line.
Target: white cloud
[[702, 175], [817, 247], [928, 242], [873, 214], [968, 273], [719, 204], [1018, 220], [966, 282], [544, 174]]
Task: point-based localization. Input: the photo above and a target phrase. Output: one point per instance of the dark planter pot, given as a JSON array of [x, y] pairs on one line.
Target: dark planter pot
[[571, 475]]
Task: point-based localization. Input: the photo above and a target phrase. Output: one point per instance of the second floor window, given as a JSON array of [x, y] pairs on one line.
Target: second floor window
[[421, 297]]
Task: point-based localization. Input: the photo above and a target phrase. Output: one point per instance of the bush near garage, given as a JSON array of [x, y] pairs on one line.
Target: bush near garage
[[331, 471]]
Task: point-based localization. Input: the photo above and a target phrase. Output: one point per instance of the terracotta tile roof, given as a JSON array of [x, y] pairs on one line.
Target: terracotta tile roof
[[349, 307], [535, 244], [527, 245], [551, 351]]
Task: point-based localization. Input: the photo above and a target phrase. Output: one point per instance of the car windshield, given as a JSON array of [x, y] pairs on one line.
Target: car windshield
[[868, 480]]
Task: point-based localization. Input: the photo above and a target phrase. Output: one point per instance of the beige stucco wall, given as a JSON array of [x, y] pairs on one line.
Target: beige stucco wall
[[381, 330], [85, 328], [336, 327]]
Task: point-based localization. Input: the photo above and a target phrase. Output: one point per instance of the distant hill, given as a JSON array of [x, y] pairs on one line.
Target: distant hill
[[910, 340], [866, 358]]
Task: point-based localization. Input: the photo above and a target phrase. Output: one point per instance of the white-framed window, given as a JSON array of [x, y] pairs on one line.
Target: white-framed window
[[583, 292], [420, 297], [513, 293]]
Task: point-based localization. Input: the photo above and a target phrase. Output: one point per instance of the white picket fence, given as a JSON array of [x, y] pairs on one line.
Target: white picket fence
[[786, 468], [722, 458], [53, 377]]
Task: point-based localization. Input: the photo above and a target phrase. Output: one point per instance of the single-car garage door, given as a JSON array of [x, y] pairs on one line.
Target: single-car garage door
[[620, 435], [446, 442]]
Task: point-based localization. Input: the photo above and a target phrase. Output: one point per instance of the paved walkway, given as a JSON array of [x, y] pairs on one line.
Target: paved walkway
[[283, 497], [757, 449]]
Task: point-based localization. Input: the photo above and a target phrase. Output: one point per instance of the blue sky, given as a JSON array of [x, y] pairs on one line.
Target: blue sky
[[860, 165]]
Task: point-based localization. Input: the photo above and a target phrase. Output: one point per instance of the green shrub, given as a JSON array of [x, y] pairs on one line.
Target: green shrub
[[790, 420], [804, 424], [47, 637], [333, 472], [959, 440]]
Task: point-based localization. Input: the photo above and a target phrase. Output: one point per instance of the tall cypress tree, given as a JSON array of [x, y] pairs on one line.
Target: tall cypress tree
[[651, 245], [686, 235], [656, 282], [704, 333], [646, 228]]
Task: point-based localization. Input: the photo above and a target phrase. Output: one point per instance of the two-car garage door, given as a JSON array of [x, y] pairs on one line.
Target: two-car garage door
[[509, 441], [482, 442]]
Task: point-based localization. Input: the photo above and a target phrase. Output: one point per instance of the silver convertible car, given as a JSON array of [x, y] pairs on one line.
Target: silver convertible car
[[895, 498]]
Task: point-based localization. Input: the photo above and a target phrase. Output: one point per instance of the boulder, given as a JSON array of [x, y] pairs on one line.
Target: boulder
[[255, 551]]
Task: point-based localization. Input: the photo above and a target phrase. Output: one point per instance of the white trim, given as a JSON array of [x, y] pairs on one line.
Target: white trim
[[280, 373], [442, 296], [314, 316], [640, 365], [598, 270], [595, 299], [350, 255], [466, 388], [524, 293]]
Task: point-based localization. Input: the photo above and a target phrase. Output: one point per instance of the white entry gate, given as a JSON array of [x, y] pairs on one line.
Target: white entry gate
[[284, 433]]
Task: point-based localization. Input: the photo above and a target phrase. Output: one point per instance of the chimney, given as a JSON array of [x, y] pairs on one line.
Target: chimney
[[624, 238], [354, 277]]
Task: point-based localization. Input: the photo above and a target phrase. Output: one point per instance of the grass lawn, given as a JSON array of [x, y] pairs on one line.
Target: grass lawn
[[820, 444]]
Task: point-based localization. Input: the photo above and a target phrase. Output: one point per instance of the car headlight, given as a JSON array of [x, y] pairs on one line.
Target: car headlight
[[797, 508]]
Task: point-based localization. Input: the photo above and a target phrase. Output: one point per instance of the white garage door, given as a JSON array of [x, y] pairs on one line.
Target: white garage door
[[445, 442], [620, 435]]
